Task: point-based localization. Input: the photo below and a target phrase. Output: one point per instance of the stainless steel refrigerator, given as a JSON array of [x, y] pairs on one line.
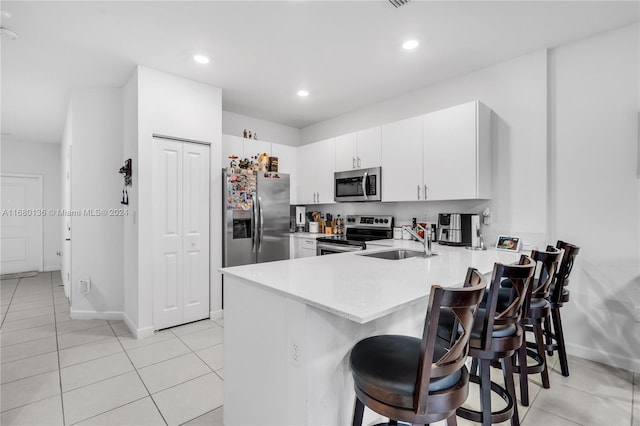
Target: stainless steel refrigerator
[[255, 217]]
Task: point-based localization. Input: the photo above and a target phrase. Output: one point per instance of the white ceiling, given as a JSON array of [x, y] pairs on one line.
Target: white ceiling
[[346, 53]]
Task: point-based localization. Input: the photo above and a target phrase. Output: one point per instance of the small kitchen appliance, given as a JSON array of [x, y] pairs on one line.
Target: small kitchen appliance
[[301, 218], [358, 185], [458, 229], [358, 230]]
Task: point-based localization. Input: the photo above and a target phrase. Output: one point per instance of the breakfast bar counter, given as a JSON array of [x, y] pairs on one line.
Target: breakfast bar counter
[[289, 326]]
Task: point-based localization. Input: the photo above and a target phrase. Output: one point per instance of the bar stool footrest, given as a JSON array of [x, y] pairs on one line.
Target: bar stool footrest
[[496, 416]]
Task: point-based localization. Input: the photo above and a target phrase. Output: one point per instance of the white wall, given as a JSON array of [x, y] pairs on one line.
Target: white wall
[[40, 159], [516, 92], [595, 98], [174, 106], [234, 124], [130, 239], [97, 241]]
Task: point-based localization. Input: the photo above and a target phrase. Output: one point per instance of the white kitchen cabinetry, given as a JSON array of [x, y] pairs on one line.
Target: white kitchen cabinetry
[[316, 165], [457, 153], [359, 150], [241, 147], [402, 163], [287, 163], [302, 247]]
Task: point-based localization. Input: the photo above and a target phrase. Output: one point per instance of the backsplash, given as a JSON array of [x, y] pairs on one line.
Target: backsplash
[[428, 212]]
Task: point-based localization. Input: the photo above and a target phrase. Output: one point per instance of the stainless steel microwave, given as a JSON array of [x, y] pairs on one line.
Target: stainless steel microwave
[[358, 185]]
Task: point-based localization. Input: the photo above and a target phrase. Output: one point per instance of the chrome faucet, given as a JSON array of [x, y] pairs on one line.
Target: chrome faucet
[[426, 240]]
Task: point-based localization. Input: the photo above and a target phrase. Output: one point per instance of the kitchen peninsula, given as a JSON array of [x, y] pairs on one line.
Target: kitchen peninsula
[[289, 326]]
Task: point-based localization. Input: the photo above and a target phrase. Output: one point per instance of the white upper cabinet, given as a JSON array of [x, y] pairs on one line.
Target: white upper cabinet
[[287, 163], [231, 145], [358, 150], [402, 163], [369, 145], [316, 165], [346, 152], [252, 147], [457, 153], [241, 147]]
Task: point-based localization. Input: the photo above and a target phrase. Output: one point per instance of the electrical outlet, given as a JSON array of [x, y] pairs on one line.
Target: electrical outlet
[[85, 286]]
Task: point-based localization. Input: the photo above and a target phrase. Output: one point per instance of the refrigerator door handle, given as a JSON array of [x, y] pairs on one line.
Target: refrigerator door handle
[[261, 225], [254, 224]]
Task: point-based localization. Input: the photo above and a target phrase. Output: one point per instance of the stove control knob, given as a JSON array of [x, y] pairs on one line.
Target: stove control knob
[[386, 221]]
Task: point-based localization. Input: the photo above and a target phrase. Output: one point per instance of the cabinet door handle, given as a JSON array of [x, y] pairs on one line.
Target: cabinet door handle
[[358, 162], [318, 197], [314, 197], [418, 192], [425, 192], [353, 161]]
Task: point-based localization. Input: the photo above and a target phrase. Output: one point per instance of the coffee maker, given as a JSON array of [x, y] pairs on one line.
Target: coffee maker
[[458, 229]]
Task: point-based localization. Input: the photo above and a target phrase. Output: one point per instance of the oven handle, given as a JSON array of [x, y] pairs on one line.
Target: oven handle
[[364, 185]]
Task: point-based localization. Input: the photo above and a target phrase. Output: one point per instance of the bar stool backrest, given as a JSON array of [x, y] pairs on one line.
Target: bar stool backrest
[[463, 302], [564, 270], [520, 276], [549, 261]]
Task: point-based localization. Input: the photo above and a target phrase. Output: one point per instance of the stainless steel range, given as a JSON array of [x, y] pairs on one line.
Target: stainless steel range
[[358, 230]]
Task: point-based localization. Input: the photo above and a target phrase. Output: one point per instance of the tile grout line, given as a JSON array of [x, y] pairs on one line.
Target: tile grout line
[[558, 415], [111, 409], [141, 381], [4, 316], [64, 422]]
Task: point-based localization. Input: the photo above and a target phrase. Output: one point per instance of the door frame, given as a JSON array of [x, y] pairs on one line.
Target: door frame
[[40, 179]]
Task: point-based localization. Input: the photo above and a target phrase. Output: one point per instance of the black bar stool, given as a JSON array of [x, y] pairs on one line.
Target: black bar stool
[[559, 295], [538, 310], [496, 336], [414, 380]]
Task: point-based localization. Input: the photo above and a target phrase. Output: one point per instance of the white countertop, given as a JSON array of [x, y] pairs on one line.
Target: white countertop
[[363, 288], [307, 235]]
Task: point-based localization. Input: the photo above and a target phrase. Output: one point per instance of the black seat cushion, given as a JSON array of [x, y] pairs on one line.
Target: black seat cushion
[[478, 327], [390, 363]]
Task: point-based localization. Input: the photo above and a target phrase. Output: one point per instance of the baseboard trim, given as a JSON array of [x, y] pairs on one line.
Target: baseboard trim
[[51, 268], [214, 315], [106, 315], [138, 333], [614, 360]]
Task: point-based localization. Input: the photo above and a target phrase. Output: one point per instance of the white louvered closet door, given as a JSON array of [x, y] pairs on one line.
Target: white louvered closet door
[[181, 232]]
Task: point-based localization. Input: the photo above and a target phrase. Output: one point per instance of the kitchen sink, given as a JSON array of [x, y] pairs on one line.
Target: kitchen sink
[[396, 254]]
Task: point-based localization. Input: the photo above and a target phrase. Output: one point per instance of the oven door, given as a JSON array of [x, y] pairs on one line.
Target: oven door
[[329, 248], [358, 185]]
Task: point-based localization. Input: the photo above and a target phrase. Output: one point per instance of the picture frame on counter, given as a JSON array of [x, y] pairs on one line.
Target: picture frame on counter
[[509, 243]]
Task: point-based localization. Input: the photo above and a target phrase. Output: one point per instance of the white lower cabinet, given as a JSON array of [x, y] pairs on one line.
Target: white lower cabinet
[[302, 247]]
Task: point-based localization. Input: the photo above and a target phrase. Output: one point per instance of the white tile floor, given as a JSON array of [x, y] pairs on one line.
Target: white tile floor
[[56, 371]]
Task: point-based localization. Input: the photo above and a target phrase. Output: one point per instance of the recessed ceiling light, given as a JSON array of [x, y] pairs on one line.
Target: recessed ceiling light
[[303, 93], [410, 44], [201, 59]]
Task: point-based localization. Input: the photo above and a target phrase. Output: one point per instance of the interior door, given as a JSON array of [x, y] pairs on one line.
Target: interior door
[[66, 227], [181, 232], [21, 238], [167, 226], [195, 231]]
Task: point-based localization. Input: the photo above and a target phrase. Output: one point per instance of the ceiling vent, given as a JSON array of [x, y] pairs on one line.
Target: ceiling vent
[[398, 3]]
